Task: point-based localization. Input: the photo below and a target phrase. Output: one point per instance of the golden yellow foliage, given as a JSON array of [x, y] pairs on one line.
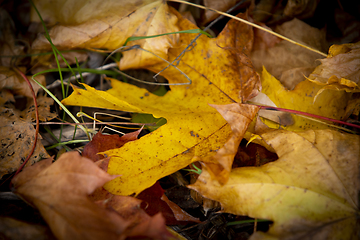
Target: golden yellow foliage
[[310, 192], [220, 74]]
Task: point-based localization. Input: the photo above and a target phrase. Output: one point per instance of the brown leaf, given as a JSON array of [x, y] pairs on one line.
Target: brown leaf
[[43, 103], [141, 223], [289, 62], [17, 138], [238, 116], [157, 202], [343, 62], [60, 191], [272, 11], [179, 214], [12, 81], [101, 143], [18, 230]]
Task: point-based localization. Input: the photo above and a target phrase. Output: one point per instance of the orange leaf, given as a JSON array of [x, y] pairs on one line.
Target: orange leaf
[[101, 143]]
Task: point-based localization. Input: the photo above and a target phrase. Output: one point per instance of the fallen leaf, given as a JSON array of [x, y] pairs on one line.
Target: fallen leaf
[[6, 96], [264, 40], [16, 84], [8, 39], [60, 191], [286, 61], [273, 12], [239, 117], [156, 201], [17, 138], [101, 143], [340, 70], [17, 230], [221, 75], [106, 24], [43, 104], [223, 6], [310, 192], [141, 224]]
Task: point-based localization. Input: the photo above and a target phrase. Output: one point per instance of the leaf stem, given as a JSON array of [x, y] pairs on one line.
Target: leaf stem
[[309, 115]]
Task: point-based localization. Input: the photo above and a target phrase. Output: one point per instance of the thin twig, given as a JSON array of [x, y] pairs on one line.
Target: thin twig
[[105, 123], [66, 81]]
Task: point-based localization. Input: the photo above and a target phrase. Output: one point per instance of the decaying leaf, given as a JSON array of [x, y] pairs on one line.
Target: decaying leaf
[[10, 80], [17, 138], [218, 5], [101, 143], [60, 191], [8, 39], [340, 70], [238, 116], [286, 61], [273, 12], [107, 24], [220, 74], [310, 192], [156, 201], [141, 224], [43, 104]]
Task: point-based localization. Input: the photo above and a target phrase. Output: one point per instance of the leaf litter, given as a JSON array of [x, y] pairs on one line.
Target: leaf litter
[[310, 191]]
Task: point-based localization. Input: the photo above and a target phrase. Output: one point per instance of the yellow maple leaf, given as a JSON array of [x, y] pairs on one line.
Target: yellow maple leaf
[[310, 192], [220, 74]]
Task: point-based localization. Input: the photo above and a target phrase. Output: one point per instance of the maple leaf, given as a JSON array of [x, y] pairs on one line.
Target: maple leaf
[[106, 24], [221, 75], [60, 191], [310, 192]]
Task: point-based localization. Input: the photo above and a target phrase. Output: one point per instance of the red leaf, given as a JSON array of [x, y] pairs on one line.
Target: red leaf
[[101, 143]]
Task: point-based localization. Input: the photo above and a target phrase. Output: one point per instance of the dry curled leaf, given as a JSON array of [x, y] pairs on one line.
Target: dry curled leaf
[[340, 70]]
